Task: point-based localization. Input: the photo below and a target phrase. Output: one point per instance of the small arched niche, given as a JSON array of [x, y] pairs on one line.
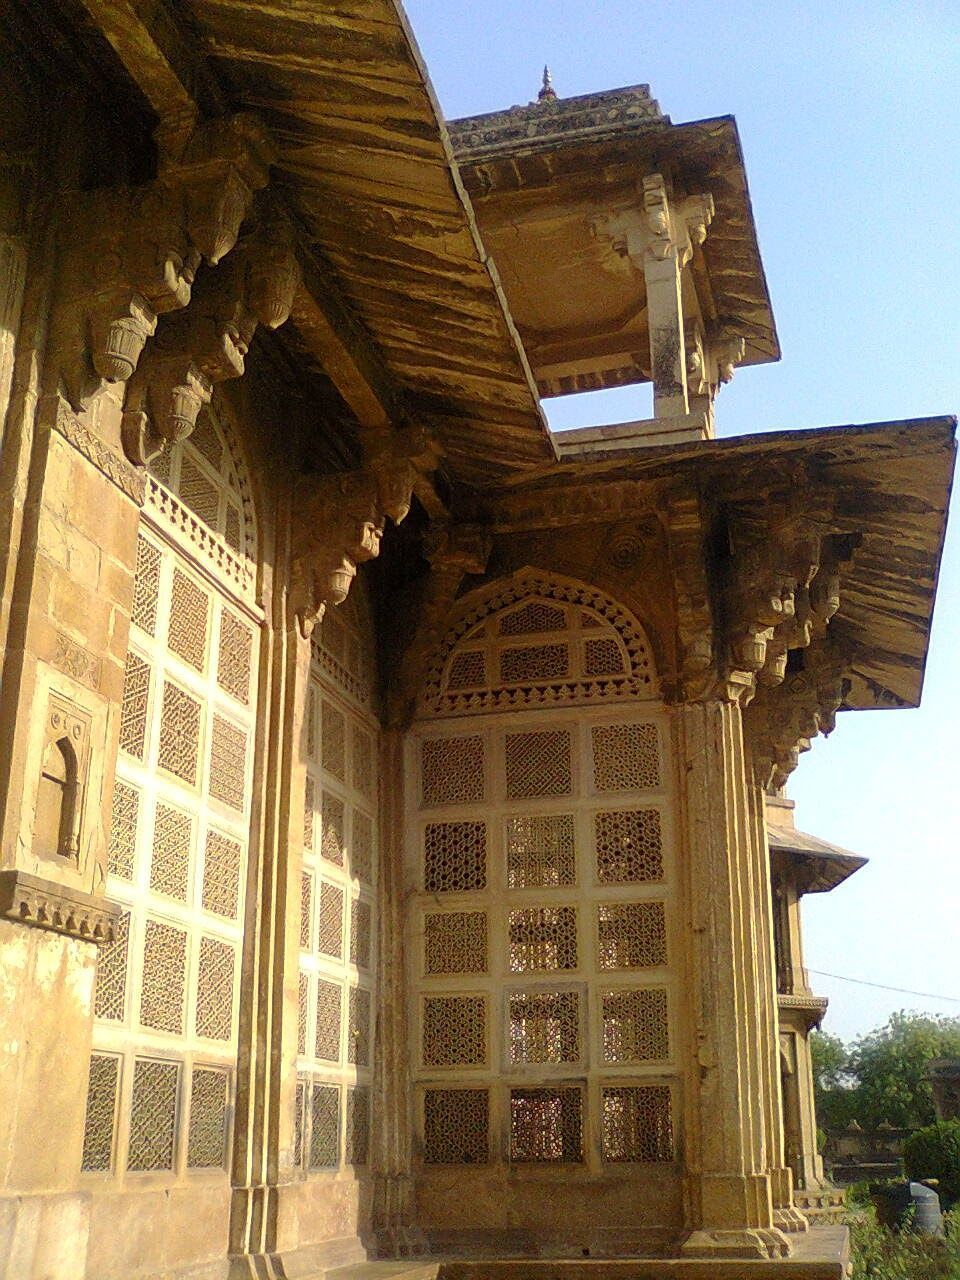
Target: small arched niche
[[54, 832]]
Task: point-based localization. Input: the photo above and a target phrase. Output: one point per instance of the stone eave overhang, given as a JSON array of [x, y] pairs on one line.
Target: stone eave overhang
[[397, 286], [889, 488], [817, 865], [702, 155]]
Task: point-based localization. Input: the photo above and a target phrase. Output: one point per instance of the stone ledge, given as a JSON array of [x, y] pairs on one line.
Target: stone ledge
[[46, 904]]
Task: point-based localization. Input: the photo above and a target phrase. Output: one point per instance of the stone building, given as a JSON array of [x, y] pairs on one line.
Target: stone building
[[383, 849]]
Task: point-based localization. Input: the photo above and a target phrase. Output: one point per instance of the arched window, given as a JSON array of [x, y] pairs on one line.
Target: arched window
[[54, 828], [167, 993]]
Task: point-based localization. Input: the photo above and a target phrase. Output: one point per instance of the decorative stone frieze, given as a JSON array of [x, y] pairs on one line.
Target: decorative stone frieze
[[134, 252], [46, 904], [107, 461]]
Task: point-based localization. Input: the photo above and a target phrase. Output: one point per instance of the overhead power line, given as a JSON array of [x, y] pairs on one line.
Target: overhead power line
[[882, 986]]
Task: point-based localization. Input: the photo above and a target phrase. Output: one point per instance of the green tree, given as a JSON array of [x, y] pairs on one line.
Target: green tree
[[889, 1066], [834, 1088]]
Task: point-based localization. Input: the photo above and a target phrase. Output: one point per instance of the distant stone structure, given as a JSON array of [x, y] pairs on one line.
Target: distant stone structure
[[944, 1076], [393, 860]]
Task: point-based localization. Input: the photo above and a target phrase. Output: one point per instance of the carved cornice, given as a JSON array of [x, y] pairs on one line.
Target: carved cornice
[[46, 904], [116, 469]]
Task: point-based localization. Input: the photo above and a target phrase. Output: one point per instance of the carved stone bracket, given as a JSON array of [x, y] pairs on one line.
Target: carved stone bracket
[[46, 904], [134, 252], [453, 551], [696, 669]]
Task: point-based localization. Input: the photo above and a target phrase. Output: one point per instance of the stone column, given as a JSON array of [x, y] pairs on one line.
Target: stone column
[[731, 1205]]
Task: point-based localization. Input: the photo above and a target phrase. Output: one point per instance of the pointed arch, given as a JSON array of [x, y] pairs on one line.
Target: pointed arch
[[538, 639]]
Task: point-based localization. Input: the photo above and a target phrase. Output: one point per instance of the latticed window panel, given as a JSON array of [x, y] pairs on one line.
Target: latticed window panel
[[324, 1126], [228, 762], [631, 935], [626, 757], [222, 861], [299, 1123], [109, 999], [629, 846], [546, 1126], [234, 655], [534, 663], [170, 856], [215, 980], [635, 1027], [330, 920], [233, 527], [361, 846], [455, 942], [179, 733], [153, 1115], [456, 1125], [454, 1031], [199, 493], [100, 1122], [206, 1136], [541, 852], [332, 829], [133, 709], [454, 857], [361, 933], [309, 805], [164, 977], [544, 1026], [467, 670], [358, 1030], [452, 771], [124, 818], [357, 1135], [333, 741], [364, 764], [306, 911], [602, 657], [146, 586], [327, 1040], [637, 1125], [533, 618], [189, 615], [303, 1007], [204, 440], [310, 714], [543, 939], [538, 764]]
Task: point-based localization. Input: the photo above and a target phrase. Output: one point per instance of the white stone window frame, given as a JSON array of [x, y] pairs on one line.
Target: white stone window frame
[[585, 800]]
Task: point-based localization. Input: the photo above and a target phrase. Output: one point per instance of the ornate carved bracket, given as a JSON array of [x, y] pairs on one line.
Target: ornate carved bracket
[[454, 551], [47, 904], [696, 670], [134, 252]]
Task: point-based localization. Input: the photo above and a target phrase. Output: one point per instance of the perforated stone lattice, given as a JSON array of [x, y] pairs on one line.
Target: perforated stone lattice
[[543, 939], [329, 996], [629, 846], [455, 942], [534, 662], [234, 657], [170, 856], [358, 1043], [330, 920], [454, 857], [546, 1126], [332, 828], [357, 1135], [221, 875], [164, 977], [125, 814], [541, 852], [626, 757], [635, 1027], [228, 762], [101, 1111], [146, 586], [189, 618], [324, 1126], [109, 997], [637, 1125], [208, 1116], [544, 1026], [455, 1126], [538, 764], [153, 1113], [454, 1031], [452, 771], [179, 733], [215, 979], [631, 935], [361, 931], [133, 710]]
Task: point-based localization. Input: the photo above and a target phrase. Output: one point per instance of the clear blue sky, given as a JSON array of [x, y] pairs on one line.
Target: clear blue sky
[[848, 113]]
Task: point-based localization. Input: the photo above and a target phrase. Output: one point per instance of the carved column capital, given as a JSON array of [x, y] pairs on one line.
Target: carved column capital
[[399, 459]]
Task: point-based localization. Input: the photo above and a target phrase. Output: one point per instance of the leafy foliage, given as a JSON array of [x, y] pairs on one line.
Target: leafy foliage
[[934, 1152], [878, 1254]]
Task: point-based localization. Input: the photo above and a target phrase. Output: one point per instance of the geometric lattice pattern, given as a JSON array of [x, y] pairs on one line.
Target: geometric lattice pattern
[[101, 1113], [467, 669], [543, 938], [455, 942], [455, 1126], [133, 712], [636, 1124], [153, 1114], [626, 757], [215, 989], [170, 861], [454, 1031], [208, 1118], [534, 662], [164, 977], [364, 772], [324, 1127], [358, 1047], [454, 857], [538, 764], [452, 771], [544, 1026], [546, 1125], [533, 618], [179, 733], [328, 1021], [330, 920], [602, 658], [629, 846], [146, 586], [361, 846], [233, 657], [361, 919], [332, 829], [228, 762], [306, 911], [541, 852], [189, 610], [631, 935], [121, 850], [110, 991], [221, 875], [635, 1025], [358, 1126], [333, 745]]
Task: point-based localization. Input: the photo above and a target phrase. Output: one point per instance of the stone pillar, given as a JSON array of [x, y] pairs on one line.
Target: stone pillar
[[730, 1196], [662, 277]]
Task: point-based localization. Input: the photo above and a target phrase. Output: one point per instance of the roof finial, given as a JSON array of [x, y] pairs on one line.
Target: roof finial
[[547, 91]]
